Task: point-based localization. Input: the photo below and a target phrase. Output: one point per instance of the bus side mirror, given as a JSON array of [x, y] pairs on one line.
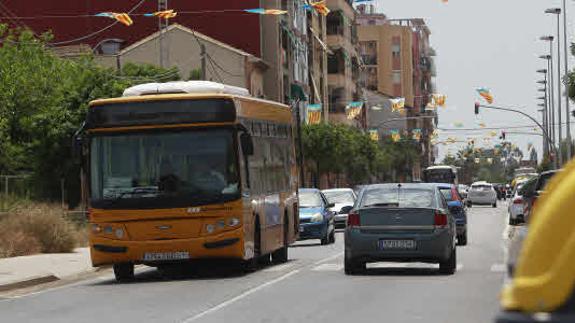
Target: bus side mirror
[[247, 144], [77, 144]]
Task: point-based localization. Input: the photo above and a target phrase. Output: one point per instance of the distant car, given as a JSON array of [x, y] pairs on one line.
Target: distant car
[[457, 209], [315, 218], [530, 192], [401, 223], [481, 193], [343, 199]]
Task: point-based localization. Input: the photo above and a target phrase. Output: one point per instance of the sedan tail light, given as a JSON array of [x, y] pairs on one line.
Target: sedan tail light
[[353, 220], [440, 219], [518, 200]]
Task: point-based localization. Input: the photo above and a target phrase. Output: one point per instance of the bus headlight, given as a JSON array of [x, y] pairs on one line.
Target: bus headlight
[[318, 217], [210, 228], [232, 222], [96, 228], [119, 233]]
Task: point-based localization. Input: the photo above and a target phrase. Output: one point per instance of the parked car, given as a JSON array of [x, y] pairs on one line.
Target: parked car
[[530, 192], [542, 289], [481, 193], [343, 199], [457, 208], [500, 191], [515, 206], [315, 218], [401, 223], [463, 189]]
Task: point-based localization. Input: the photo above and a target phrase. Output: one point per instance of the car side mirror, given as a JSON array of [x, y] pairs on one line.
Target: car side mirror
[[330, 205], [346, 209], [247, 144]]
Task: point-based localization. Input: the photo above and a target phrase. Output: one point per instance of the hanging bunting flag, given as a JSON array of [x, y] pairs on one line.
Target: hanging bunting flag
[[485, 94], [121, 17], [165, 14], [263, 11], [374, 134], [313, 115], [439, 99], [451, 140], [353, 109], [397, 105], [458, 124], [482, 125], [490, 161], [416, 133], [430, 106], [320, 7], [395, 135], [435, 133], [493, 133]]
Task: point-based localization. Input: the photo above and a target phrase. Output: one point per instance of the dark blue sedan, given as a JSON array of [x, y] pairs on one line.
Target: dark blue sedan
[[315, 218], [457, 208]]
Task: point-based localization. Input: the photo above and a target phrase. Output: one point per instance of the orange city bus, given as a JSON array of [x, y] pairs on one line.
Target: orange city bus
[[180, 171]]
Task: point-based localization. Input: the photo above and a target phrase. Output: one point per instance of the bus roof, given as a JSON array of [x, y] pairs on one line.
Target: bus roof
[[188, 87], [441, 167]]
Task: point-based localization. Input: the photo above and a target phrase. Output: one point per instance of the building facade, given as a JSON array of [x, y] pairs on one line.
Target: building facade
[[343, 62], [398, 62], [234, 66]]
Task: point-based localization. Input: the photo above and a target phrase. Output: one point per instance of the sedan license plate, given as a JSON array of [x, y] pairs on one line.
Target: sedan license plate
[[397, 244], [166, 256], [301, 229]]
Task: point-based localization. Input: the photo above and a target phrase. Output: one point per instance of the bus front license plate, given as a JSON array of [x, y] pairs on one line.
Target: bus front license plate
[[166, 256]]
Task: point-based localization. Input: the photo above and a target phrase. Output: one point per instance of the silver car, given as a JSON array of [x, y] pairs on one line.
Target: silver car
[[481, 193], [343, 200], [400, 223]]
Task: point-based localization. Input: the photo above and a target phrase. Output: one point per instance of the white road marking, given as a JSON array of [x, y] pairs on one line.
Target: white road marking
[[278, 268], [328, 259], [328, 267], [498, 268], [239, 297]]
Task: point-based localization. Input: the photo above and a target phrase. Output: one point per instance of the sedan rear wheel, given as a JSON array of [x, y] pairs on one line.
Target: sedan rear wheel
[[462, 239], [495, 204], [449, 266]]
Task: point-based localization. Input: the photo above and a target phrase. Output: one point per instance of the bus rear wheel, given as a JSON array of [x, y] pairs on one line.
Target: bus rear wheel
[[280, 256], [124, 272]]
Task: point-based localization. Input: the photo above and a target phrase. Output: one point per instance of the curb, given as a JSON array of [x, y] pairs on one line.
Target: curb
[[28, 283]]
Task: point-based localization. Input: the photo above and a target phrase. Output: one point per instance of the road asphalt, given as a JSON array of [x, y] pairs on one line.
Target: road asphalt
[[311, 287]]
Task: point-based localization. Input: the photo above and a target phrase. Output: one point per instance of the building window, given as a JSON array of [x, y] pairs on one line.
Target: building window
[[396, 50], [396, 77]]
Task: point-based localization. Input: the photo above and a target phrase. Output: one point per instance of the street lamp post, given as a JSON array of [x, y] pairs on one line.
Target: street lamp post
[[550, 96], [566, 63], [557, 12], [543, 111]]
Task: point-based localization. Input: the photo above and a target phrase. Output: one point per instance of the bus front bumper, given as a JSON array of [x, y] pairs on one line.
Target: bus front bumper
[[226, 245]]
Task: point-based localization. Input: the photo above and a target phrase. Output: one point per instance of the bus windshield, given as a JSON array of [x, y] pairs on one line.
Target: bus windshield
[[163, 169]]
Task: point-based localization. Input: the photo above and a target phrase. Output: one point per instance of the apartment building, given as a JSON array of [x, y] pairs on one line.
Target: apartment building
[[398, 62], [343, 62]]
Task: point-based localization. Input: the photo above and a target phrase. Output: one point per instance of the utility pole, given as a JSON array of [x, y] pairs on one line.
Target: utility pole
[[203, 60], [560, 151], [162, 26]]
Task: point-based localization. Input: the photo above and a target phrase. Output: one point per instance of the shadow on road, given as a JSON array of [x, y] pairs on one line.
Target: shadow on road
[[201, 270], [306, 244], [401, 271]]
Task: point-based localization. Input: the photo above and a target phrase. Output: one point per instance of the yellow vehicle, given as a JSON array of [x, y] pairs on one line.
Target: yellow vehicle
[[188, 170], [543, 288]]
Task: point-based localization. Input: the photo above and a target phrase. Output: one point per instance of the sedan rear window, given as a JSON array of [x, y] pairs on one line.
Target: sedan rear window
[[481, 188], [414, 198]]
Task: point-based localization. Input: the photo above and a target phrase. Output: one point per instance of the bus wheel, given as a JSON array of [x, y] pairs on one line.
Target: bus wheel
[[124, 272], [280, 256]]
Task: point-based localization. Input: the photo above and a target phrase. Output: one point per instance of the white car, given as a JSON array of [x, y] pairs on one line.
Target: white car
[[481, 193], [344, 199], [516, 206]]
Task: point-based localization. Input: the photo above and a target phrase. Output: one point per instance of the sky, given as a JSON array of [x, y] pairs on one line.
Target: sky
[[486, 43]]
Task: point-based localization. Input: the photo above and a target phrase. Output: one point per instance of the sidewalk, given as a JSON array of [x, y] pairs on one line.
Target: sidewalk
[[25, 271]]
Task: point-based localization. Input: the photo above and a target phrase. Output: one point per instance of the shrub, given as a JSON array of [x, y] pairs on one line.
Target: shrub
[[36, 227]]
